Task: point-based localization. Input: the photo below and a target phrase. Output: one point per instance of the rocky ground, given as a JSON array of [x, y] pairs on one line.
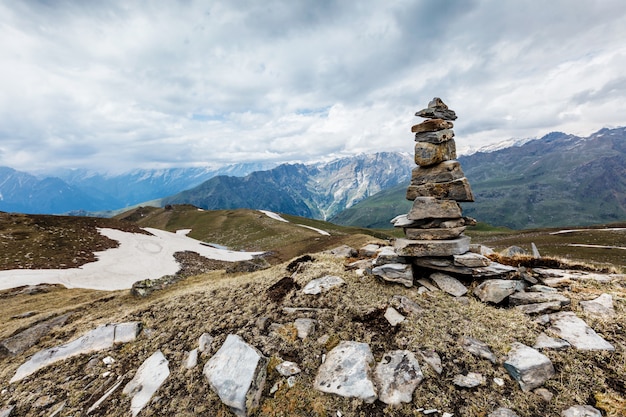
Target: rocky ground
[[266, 309]]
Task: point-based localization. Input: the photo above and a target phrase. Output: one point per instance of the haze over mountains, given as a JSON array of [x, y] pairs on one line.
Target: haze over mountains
[[559, 179]]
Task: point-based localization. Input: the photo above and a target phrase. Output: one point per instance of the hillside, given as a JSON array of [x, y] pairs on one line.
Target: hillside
[[267, 309], [558, 180]]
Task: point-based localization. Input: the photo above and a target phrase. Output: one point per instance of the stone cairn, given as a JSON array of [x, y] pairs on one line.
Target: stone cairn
[[434, 226]]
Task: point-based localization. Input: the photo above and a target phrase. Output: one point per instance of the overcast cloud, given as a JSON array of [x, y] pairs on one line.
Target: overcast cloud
[[119, 85]]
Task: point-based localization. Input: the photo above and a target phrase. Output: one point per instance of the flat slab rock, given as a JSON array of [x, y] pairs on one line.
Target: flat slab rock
[[346, 372], [570, 327], [397, 375], [420, 248], [101, 338], [448, 284], [581, 411], [147, 380], [529, 367], [397, 273], [497, 290], [601, 306], [477, 348], [322, 284], [553, 277], [503, 412], [237, 374], [22, 341]]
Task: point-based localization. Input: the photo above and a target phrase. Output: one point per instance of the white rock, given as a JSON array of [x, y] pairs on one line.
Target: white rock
[[108, 361], [204, 342], [397, 375], [305, 327], [471, 380], [192, 359], [528, 367], [325, 283], [106, 374], [499, 382], [503, 412], [149, 377], [369, 250], [599, 307], [393, 317], [287, 368], [449, 284], [546, 342], [433, 359], [581, 411], [291, 381], [100, 338], [346, 372], [237, 374], [568, 326], [6, 412]]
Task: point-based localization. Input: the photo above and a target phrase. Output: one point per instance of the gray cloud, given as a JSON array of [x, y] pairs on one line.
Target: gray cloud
[[118, 85]]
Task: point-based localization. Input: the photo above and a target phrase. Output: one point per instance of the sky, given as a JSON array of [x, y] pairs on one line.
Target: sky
[[117, 85]]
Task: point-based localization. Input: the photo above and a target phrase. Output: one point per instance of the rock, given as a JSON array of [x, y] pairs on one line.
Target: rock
[[545, 394], [405, 305], [369, 250], [101, 338], [397, 375], [568, 326], [108, 360], [422, 248], [204, 342], [539, 308], [542, 288], [305, 327], [458, 190], [503, 412], [343, 251], [446, 171], [393, 317], [471, 260], [434, 137], [446, 264], [448, 284], [192, 359], [437, 110], [237, 374], [512, 251], [433, 234], [496, 290], [7, 411], [528, 367], [287, 369], [106, 395], [322, 284], [431, 208], [601, 306], [387, 255], [147, 380], [432, 359], [427, 284], [346, 372], [536, 253], [478, 348], [24, 340], [432, 125], [520, 298], [581, 411], [433, 153], [546, 342], [481, 249], [471, 380], [398, 273]]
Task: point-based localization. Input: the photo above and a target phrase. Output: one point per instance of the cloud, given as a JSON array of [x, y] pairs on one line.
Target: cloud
[[118, 85]]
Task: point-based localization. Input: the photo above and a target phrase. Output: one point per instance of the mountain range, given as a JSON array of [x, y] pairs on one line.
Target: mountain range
[[559, 179]]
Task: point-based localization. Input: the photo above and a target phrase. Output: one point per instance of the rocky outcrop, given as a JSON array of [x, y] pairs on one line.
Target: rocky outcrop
[[528, 367]]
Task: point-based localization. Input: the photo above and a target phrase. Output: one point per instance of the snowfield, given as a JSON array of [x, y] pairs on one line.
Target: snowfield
[[138, 257], [276, 216]]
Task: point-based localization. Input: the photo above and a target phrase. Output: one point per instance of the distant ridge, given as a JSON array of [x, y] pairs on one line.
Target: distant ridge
[[557, 180]]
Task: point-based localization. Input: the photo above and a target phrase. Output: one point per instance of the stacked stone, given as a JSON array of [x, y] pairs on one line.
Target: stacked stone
[[434, 226]]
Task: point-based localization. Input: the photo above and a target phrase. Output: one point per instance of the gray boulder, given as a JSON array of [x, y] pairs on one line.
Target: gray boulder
[[346, 372], [397, 375], [496, 290], [448, 284], [398, 273], [322, 284], [528, 367], [237, 374], [405, 305], [478, 348], [24, 340], [147, 380], [568, 326]]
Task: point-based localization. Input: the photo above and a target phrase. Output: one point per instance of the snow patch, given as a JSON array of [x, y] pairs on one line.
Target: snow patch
[[277, 217], [138, 257]]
